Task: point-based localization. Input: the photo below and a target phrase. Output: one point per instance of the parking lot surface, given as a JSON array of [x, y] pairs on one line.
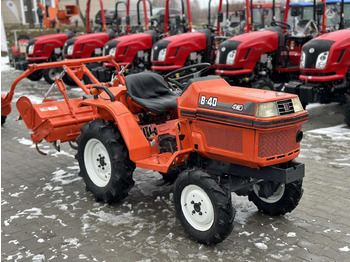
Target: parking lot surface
[[47, 215]]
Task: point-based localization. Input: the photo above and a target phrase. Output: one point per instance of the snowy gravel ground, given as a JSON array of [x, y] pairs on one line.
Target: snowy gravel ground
[[47, 215]]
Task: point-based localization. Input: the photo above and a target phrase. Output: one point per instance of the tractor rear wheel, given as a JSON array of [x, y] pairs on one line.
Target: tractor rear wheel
[[203, 207], [283, 200], [347, 110], [50, 74], [36, 75], [104, 161]]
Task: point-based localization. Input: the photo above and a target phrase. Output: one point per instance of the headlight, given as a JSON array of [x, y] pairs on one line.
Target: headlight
[[70, 50], [267, 110], [112, 51], [231, 57], [322, 60], [302, 60], [217, 59], [162, 54], [297, 105], [31, 49]]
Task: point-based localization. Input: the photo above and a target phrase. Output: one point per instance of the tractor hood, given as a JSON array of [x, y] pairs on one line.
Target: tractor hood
[[87, 45], [328, 55], [57, 39], [226, 118], [175, 50], [41, 47], [125, 48], [242, 52]]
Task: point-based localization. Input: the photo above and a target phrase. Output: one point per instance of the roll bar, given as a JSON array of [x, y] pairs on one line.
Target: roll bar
[[166, 19], [103, 17]]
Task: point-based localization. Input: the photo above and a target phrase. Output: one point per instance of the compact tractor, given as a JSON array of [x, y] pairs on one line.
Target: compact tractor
[[258, 59], [218, 138], [325, 69], [134, 50]]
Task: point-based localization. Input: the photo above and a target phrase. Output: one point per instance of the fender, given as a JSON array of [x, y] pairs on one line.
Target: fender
[[134, 139]]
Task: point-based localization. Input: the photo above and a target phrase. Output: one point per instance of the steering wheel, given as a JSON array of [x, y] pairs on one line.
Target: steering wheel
[[281, 24], [211, 27], [181, 81]]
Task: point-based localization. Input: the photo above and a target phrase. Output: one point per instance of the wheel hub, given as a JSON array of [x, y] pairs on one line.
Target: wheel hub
[[101, 162], [97, 162], [197, 207]]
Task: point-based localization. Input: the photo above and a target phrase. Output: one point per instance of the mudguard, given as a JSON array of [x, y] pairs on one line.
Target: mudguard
[[137, 144]]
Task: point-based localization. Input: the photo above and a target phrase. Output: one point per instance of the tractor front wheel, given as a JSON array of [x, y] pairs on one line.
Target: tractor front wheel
[[203, 207], [284, 199], [50, 74], [104, 161], [36, 75]]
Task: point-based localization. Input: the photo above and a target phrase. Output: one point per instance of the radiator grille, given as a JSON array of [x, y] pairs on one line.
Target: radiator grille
[[224, 138], [277, 143], [285, 107]]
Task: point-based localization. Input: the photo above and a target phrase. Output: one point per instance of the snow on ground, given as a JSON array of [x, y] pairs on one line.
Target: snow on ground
[[313, 105], [330, 144], [5, 63], [345, 249], [339, 132]]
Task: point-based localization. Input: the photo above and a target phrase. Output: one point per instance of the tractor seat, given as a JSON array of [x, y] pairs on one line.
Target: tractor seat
[[150, 91]]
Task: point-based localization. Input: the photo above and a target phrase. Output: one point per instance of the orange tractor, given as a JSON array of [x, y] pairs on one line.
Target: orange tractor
[[218, 139]]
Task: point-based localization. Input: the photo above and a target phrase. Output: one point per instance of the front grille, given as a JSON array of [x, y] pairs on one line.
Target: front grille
[[279, 143], [68, 43], [225, 48], [30, 42], [109, 45], [313, 49], [157, 47], [285, 107]]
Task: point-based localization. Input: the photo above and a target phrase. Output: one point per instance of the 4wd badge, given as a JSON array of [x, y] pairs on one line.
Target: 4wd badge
[[237, 107]]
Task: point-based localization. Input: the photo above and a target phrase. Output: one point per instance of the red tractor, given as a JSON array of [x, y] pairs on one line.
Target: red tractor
[[41, 49], [18, 49], [175, 52], [258, 59], [218, 138], [134, 50], [325, 71]]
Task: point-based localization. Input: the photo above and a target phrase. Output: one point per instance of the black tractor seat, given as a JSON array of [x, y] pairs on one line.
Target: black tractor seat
[[150, 91]]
